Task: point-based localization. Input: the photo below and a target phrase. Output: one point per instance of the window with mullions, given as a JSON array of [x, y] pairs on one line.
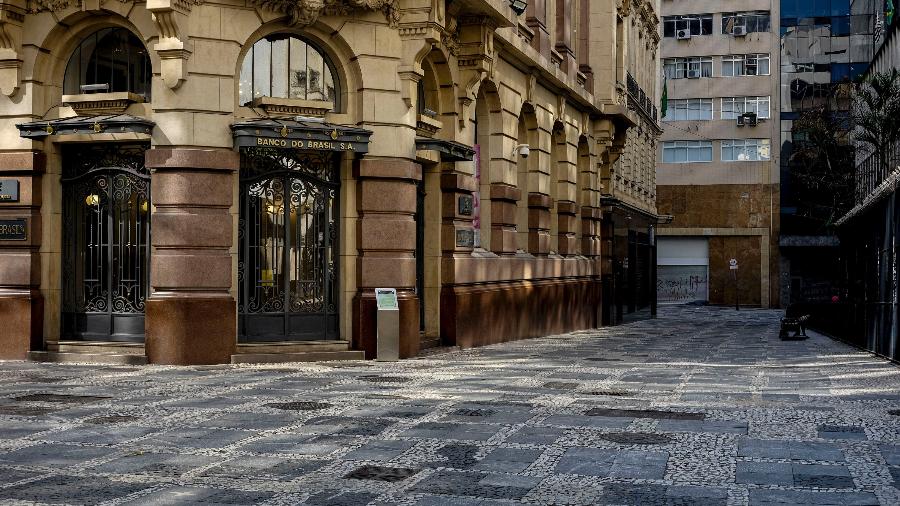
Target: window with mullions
[[738, 65], [745, 150], [755, 21], [689, 109], [732, 107], [697, 24], [681, 68], [687, 151], [111, 60], [286, 66]]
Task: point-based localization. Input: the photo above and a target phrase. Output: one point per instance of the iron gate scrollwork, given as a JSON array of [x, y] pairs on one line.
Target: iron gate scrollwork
[[106, 241], [287, 236]]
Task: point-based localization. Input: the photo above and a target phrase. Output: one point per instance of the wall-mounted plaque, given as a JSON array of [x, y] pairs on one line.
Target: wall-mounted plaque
[[13, 230], [9, 190], [466, 205], [465, 238]]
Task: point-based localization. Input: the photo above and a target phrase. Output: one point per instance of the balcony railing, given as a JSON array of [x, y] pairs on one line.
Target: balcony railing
[[638, 99], [874, 170]]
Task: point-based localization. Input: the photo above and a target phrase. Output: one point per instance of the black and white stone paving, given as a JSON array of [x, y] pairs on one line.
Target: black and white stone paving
[[701, 406]]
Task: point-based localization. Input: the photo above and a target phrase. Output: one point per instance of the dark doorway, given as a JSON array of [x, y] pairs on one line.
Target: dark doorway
[[106, 242], [287, 265]]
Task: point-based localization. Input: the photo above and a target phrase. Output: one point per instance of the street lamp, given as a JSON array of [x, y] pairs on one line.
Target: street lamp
[[518, 6]]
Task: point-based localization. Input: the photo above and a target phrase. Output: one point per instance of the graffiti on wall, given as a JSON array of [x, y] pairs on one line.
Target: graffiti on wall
[[682, 283]]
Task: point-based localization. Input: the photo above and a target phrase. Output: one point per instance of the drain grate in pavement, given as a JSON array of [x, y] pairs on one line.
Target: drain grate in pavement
[[25, 410], [841, 428], [385, 379], [602, 359], [61, 398], [111, 419], [474, 412], [644, 413], [895, 412], [637, 438], [611, 393], [381, 473], [298, 405], [560, 385]]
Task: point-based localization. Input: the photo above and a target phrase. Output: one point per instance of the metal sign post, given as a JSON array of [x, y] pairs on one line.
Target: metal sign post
[[388, 337], [733, 265]]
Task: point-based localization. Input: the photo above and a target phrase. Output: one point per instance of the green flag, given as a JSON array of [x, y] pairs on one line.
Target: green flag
[[889, 12], [664, 105]]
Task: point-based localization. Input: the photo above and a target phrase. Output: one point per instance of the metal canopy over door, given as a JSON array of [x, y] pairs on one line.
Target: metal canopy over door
[[287, 266], [106, 241]]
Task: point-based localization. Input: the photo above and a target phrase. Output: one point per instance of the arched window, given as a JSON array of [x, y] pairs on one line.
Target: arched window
[[110, 60], [286, 66]]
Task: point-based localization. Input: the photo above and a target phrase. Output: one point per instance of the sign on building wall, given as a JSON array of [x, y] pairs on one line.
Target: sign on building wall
[[9, 190], [14, 230]]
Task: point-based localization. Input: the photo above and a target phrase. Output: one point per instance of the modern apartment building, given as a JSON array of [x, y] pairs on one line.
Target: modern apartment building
[[717, 170]]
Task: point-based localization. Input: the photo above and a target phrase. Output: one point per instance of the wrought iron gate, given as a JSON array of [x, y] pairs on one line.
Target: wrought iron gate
[[288, 245], [106, 242]]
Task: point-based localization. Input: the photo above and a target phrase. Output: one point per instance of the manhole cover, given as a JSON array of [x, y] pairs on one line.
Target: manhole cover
[[636, 438], [644, 413], [474, 412], [610, 393], [560, 385], [298, 405], [112, 419], [385, 379], [61, 398], [380, 473], [25, 410]]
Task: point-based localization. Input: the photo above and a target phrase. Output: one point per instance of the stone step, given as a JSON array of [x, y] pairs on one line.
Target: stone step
[[308, 356], [92, 347], [291, 347], [87, 358]]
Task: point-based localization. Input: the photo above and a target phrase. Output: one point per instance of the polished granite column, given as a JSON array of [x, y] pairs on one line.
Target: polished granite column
[[191, 314]]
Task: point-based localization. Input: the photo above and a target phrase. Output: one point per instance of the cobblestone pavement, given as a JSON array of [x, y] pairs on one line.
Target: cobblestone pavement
[[701, 406]]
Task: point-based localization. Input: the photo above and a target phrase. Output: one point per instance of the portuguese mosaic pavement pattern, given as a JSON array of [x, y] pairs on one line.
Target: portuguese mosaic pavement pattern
[[701, 406]]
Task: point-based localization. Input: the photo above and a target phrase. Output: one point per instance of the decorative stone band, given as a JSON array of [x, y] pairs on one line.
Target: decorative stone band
[[307, 12], [295, 134]]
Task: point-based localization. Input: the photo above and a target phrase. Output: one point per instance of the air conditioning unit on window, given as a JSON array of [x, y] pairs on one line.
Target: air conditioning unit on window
[[684, 34], [693, 74], [739, 31], [747, 119]]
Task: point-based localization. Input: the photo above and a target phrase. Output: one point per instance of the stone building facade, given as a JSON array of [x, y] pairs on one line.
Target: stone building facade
[[718, 170], [211, 182]]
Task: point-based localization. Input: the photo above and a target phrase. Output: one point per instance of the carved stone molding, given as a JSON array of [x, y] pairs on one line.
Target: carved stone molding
[[11, 19], [35, 6], [174, 47], [307, 12]]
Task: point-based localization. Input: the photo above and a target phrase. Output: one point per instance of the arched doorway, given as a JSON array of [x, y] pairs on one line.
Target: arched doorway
[[105, 200]]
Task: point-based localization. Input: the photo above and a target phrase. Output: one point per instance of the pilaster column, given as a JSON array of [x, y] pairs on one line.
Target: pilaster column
[[536, 19], [539, 223], [191, 314], [567, 214], [21, 303], [503, 218], [564, 43], [386, 240], [591, 231]]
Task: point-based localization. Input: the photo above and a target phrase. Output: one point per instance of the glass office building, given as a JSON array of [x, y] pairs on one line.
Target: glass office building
[[825, 45]]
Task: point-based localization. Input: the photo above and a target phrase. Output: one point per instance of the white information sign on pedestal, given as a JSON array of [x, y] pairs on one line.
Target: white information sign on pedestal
[[388, 337]]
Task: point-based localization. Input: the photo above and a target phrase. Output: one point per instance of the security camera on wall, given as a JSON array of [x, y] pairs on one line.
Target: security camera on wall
[[523, 150]]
